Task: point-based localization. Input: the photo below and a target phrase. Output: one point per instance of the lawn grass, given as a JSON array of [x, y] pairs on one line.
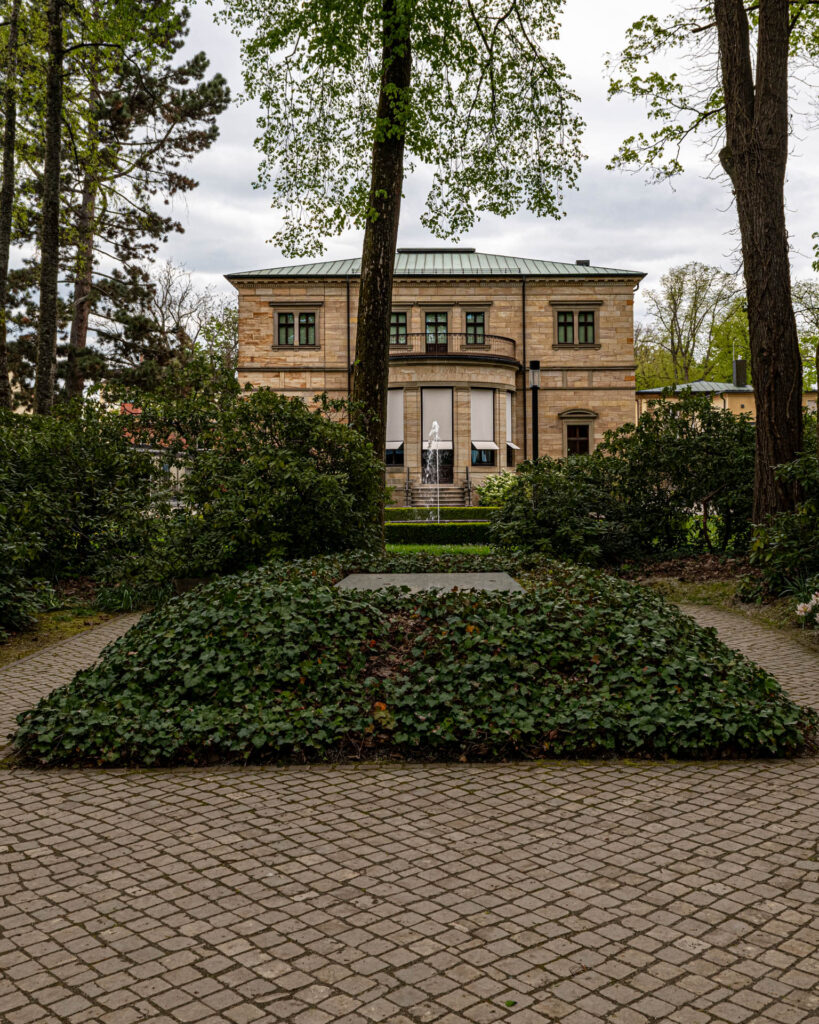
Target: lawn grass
[[439, 549], [50, 628]]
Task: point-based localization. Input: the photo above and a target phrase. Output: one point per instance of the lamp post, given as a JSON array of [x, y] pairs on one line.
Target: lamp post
[[534, 384]]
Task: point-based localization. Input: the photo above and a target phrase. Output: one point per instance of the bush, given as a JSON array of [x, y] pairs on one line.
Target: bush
[[449, 514], [786, 547], [270, 478], [75, 489], [681, 479], [436, 533], [277, 663], [496, 489]]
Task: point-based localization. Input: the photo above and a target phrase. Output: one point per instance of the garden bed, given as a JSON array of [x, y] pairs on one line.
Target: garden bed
[[276, 664]]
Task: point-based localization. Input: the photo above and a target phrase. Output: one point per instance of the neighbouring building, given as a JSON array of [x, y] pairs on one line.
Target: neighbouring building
[[477, 342], [735, 395]]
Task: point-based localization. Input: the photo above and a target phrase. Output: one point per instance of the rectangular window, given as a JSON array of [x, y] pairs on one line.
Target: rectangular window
[[398, 328], [307, 328], [483, 456], [565, 327], [436, 329], [585, 328], [577, 438], [475, 328], [286, 329], [395, 456]]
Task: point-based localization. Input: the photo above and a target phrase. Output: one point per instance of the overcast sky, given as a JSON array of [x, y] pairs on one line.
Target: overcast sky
[[614, 219]]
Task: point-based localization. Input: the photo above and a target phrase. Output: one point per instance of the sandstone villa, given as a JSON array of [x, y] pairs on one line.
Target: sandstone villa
[[512, 357]]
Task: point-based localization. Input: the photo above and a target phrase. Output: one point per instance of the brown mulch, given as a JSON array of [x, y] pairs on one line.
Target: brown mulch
[[692, 569]]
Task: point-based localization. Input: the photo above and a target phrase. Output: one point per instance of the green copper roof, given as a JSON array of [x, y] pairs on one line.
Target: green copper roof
[[445, 263], [703, 387]]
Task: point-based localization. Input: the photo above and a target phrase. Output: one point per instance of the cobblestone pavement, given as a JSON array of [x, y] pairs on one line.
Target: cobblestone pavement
[[24, 682], [576, 892]]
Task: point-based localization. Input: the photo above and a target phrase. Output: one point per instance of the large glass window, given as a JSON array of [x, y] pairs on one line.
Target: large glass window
[[307, 328], [436, 329], [565, 327], [475, 328], [286, 329], [585, 328], [398, 328]]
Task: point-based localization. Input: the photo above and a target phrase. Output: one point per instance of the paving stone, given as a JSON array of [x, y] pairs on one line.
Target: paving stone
[[604, 891]]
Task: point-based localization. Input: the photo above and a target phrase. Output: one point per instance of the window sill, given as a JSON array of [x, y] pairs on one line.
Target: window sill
[[576, 348], [296, 348]]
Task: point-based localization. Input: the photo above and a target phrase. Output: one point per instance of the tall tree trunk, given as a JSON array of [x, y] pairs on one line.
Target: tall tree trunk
[[7, 194], [755, 157], [371, 372], [50, 226], [83, 280]]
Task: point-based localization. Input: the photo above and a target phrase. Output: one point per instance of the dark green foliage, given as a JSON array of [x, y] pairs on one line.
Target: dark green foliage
[[786, 547], [449, 514], [74, 492], [680, 479], [266, 477], [436, 533], [278, 664]]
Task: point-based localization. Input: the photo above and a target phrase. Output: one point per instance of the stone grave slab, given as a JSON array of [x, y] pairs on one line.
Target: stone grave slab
[[441, 581]]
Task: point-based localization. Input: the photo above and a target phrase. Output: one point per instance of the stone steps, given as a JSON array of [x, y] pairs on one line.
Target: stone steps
[[428, 495]]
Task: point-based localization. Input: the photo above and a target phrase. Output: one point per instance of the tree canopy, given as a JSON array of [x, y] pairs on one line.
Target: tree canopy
[[489, 109]]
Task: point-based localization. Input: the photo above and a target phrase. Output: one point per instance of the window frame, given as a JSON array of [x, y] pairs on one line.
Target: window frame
[[470, 330], [306, 326], [395, 333], [561, 322], [436, 335], [283, 326], [394, 457], [480, 458], [581, 327], [291, 323], [578, 418]]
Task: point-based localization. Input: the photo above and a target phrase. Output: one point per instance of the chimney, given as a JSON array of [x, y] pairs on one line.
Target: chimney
[[739, 376], [582, 263]]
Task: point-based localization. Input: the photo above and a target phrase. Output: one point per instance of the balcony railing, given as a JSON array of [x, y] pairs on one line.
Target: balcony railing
[[454, 345]]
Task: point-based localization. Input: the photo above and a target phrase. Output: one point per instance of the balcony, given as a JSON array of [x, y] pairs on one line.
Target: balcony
[[452, 345]]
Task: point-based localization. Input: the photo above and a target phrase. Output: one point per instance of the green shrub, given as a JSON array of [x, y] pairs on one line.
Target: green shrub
[[436, 533], [277, 663], [786, 547], [681, 479], [449, 514], [75, 488], [495, 490], [271, 477]]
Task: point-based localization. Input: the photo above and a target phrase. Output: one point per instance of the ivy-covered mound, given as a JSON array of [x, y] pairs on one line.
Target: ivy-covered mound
[[278, 664]]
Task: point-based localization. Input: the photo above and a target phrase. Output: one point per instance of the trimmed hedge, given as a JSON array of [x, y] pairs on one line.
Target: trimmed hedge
[[278, 664], [436, 533], [449, 513]]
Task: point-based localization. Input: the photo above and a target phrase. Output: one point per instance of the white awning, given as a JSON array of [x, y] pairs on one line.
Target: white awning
[[482, 414], [485, 446], [436, 407], [442, 446], [394, 445], [515, 446], [395, 416]]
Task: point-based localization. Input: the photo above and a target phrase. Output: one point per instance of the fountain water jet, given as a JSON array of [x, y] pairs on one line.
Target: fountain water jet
[[432, 469]]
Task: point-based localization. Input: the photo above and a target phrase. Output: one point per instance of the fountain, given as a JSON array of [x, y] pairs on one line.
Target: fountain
[[432, 469]]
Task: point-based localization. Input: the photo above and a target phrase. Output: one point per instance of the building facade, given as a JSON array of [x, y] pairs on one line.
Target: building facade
[[510, 357]]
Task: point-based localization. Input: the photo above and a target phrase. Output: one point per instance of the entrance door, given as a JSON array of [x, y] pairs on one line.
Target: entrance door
[[446, 462]]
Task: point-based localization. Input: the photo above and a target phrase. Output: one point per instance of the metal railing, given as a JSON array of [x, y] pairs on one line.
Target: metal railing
[[453, 344]]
